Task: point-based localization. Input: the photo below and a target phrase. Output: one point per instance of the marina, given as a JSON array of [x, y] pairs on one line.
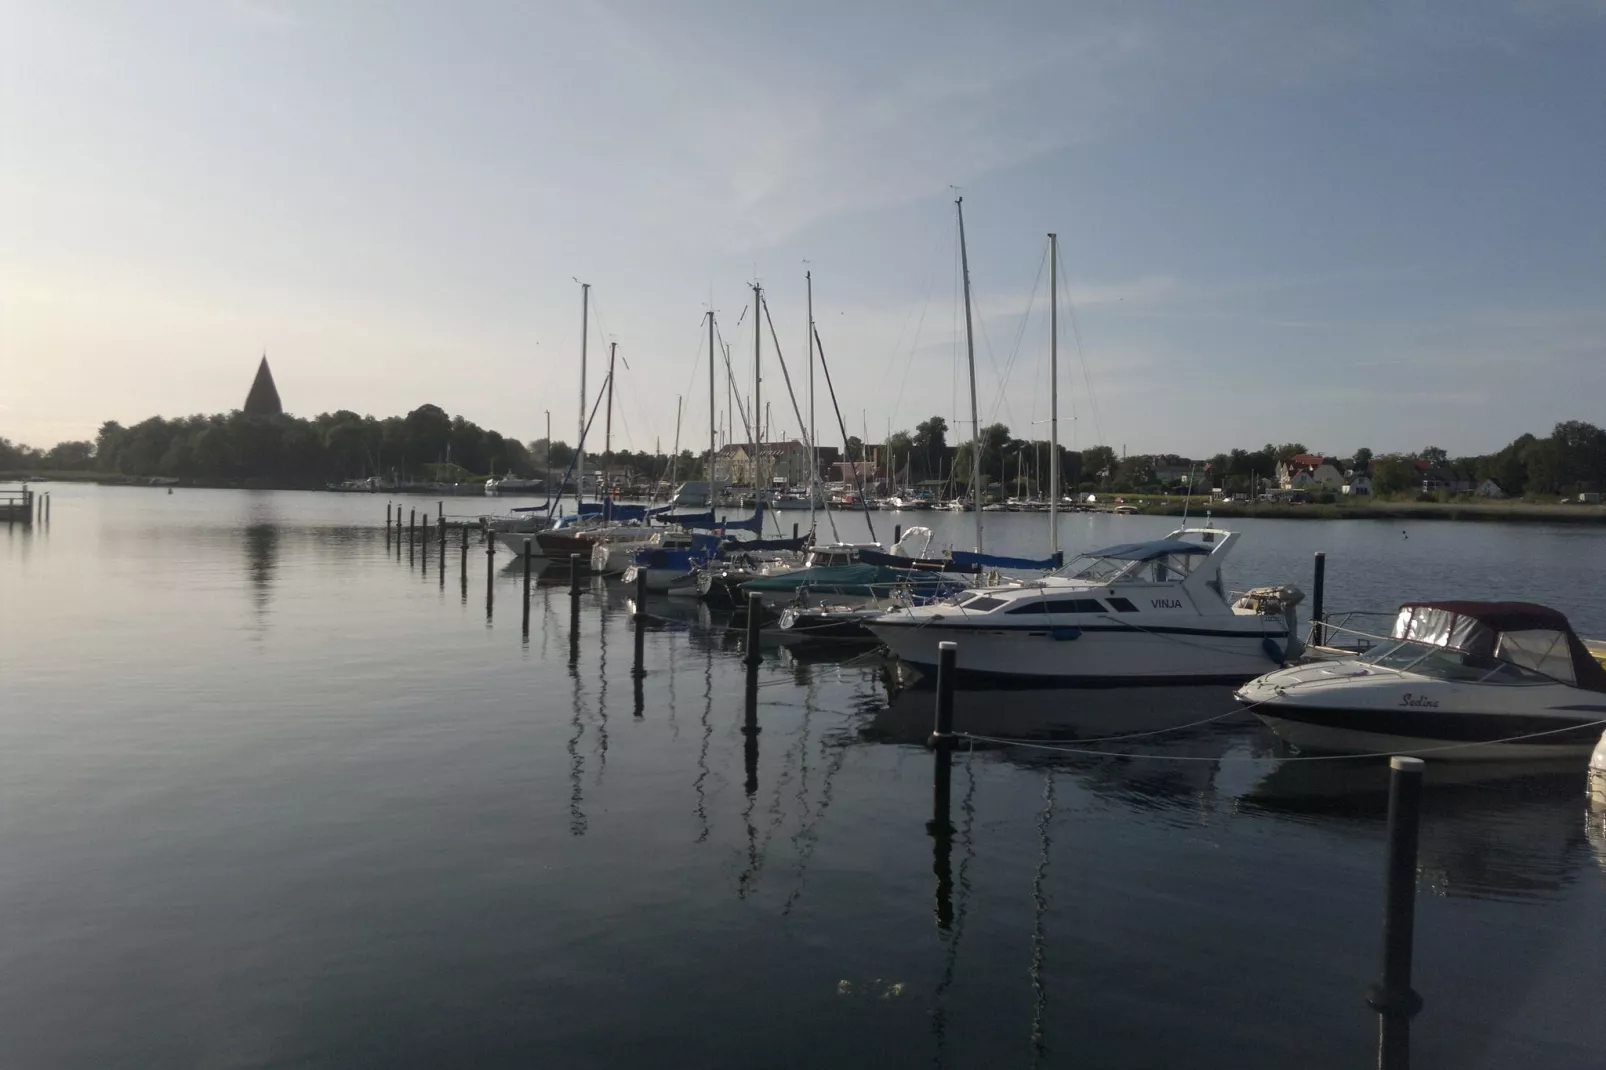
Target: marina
[[292, 742]]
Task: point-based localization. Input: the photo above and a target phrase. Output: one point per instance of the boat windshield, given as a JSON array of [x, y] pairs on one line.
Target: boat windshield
[[1448, 663], [1167, 568]]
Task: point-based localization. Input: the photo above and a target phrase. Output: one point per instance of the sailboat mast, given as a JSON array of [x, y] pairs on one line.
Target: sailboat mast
[[1053, 393], [970, 352], [607, 427], [580, 450], [709, 474], [758, 378], [814, 449]]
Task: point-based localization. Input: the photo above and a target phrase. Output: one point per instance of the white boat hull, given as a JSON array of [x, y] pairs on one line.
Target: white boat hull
[[1035, 658], [1352, 707]]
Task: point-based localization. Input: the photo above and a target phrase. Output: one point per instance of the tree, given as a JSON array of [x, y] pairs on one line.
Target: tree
[[1287, 451], [1434, 456], [854, 450], [930, 447], [1363, 459], [1393, 473], [1098, 463]]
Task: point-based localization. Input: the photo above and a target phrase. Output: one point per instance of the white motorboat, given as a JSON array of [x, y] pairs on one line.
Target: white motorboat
[[514, 485], [1138, 613], [1457, 680]]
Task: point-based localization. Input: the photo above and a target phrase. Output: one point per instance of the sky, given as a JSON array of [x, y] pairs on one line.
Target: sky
[[1346, 225]]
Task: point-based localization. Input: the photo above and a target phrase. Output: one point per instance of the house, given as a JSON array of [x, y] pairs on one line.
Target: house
[[1489, 489], [1307, 471], [788, 460], [1172, 475], [1358, 483]]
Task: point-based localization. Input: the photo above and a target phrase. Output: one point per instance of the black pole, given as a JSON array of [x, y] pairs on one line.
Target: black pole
[[897, 534], [1318, 614], [412, 526], [490, 577], [1393, 995], [641, 628], [387, 525], [794, 530], [574, 575], [528, 557], [942, 741], [574, 632], [755, 608]]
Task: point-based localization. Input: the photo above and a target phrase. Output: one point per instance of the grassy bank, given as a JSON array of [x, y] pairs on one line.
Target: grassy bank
[[1533, 512]]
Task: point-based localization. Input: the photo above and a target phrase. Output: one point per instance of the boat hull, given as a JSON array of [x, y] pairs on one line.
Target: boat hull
[[1087, 656], [1472, 737]]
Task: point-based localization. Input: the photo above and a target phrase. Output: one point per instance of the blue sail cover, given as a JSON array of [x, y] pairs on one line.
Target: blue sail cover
[[967, 557], [920, 564]]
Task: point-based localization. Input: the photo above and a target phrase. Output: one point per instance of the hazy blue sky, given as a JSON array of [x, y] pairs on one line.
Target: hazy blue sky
[[1378, 224]]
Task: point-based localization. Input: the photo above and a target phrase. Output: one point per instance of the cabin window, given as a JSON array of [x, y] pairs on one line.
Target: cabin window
[[1121, 605], [1542, 650], [1062, 605], [983, 604]]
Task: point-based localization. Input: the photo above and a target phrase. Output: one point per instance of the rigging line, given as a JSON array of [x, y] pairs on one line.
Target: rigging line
[[787, 376], [1020, 331], [730, 377], [914, 345], [1076, 333], [858, 475]]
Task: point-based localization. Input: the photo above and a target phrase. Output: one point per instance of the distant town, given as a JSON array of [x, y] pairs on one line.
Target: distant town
[[259, 445]]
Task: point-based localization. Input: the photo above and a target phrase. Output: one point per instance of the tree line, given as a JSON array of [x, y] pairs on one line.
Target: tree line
[[428, 444]]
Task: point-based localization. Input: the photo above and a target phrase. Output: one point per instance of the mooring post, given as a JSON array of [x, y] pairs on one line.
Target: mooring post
[[897, 534], [942, 742], [1318, 614], [490, 578], [440, 510], [794, 529], [755, 610], [441, 543], [529, 555], [47, 506], [574, 631], [640, 618], [1393, 994], [574, 575], [463, 556], [412, 525]]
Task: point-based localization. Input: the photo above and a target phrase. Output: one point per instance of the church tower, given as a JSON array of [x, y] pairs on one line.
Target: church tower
[[263, 400]]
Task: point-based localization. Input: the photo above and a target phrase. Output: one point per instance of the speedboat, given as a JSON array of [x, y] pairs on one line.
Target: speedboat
[[1458, 680], [1138, 613]]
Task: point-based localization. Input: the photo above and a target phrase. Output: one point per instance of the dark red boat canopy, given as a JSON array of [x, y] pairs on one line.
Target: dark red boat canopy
[[1502, 616]]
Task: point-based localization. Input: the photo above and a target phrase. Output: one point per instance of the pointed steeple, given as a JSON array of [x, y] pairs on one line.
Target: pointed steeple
[[263, 400]]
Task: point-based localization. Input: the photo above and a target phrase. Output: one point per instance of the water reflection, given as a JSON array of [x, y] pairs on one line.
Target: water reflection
[[261, 559], [1494, 830]]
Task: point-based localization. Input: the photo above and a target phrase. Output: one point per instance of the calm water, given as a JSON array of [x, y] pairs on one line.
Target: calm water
[[273, 797]]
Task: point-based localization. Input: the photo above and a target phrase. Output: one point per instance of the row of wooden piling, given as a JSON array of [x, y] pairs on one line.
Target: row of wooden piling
[[1392, 997], [25, 507]]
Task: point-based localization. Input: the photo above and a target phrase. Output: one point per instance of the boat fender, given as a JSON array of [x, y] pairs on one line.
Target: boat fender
[[1064, 635], [1273, 651]]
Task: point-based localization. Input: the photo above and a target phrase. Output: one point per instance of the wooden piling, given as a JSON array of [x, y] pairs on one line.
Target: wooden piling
[[640, 618], [529, 555], [755, 610], [942, 742], [1318, 613], [794, 529], [574, 575], [1393, 993], [897, 534]]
